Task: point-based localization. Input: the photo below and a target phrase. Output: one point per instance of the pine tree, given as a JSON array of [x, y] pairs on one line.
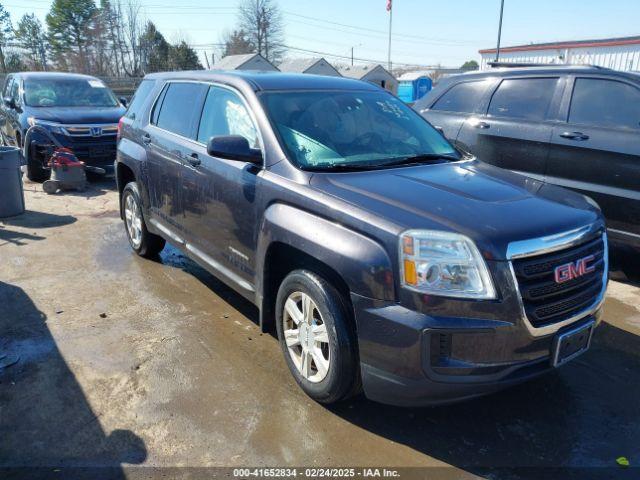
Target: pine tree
[[31, 37], [70, 25], [6, 34]]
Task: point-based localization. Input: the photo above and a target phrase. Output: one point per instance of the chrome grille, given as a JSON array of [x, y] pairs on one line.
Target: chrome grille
[[547, 302]]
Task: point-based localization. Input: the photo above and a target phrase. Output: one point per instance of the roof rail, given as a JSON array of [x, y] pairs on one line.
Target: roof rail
[[554, 65]]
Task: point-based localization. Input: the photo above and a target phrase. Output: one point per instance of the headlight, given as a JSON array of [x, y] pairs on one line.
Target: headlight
[[445, 264], [51, 126]]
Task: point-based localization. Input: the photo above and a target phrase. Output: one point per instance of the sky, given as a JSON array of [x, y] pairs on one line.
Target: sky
[[424, 32]]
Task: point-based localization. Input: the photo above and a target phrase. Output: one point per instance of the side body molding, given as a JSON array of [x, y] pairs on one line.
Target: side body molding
[[362, 263]]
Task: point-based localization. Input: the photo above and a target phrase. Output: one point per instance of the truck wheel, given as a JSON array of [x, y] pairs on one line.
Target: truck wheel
[[317, 337], [143, 242]]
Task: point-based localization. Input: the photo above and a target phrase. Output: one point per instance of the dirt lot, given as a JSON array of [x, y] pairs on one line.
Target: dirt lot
[[121, 361]]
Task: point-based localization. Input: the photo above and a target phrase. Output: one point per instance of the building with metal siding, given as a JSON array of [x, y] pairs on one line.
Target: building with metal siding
[[622, 53]]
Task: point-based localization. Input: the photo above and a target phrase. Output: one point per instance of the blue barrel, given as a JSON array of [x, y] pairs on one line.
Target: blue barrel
[[11, 193]]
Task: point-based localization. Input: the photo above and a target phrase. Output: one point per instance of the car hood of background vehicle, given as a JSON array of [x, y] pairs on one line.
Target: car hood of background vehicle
[[488, 204], [78, 115]]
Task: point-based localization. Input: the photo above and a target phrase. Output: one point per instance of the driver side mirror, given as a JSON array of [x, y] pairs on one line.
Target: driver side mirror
[[9, 102], [123, 101], [233, 147]]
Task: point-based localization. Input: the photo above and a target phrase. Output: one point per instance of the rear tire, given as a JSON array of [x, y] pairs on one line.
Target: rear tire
[[318, 337], [143, 242]]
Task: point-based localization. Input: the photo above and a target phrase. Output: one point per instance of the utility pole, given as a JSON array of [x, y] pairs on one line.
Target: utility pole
[[390, 10], [352, 56], [499, 30]]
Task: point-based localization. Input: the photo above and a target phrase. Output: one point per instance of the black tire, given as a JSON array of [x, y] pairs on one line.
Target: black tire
[[150, 244], [35, 172], [343, 377]]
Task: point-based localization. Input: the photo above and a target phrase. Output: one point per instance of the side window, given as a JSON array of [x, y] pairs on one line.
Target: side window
[[224, 113], [462, 98], [605, 103], [139, 97], [178, 108], [527, 98]]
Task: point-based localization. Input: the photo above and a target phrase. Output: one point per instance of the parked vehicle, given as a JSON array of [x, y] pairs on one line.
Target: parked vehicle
[[80, 111], [383, 257], [574, 126]]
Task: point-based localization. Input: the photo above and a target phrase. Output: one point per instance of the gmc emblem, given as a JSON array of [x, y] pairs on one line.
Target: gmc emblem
[[572, 270]]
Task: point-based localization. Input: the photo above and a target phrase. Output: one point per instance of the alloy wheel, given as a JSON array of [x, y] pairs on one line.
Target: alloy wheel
[[133, 220], [306, 337]]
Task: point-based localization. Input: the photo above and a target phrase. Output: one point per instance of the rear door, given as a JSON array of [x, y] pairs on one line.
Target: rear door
[[596, 150], [516, 128], [221, 219], [455, 105], [169, 139]]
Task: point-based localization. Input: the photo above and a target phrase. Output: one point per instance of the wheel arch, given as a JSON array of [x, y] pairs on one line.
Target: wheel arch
[[124, 175], [291, 239]]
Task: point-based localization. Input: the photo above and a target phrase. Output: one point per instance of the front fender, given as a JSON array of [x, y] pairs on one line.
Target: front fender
[[360, 261]]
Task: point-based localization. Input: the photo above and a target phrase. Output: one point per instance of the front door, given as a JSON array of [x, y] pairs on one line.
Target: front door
[[597, 150], [516, 129], [458, 103], [220, 195]]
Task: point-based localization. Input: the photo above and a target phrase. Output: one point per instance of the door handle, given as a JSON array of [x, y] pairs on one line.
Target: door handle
[[574, 136], [482, 125], [146, 139], [194, 160]]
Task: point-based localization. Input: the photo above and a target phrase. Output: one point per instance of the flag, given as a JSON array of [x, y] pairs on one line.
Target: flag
[[389, 5]]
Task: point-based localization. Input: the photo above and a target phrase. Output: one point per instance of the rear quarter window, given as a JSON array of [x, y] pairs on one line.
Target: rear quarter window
[[462, 98], [138, 100]]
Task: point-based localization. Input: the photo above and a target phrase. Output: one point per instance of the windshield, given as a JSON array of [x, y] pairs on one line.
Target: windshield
[[321, 130], [65, 92]]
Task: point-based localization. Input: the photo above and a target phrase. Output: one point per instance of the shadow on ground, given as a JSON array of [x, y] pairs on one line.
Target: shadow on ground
[[30, 220], [46, 420]]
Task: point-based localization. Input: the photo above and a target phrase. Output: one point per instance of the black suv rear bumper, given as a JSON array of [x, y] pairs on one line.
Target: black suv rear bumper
[[409, 359]]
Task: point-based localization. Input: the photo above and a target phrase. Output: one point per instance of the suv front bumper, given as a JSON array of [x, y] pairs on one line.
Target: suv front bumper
[[409, 358]]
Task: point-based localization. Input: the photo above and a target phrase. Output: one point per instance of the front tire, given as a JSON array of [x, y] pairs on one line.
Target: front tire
[[317, 336], [143, 242]]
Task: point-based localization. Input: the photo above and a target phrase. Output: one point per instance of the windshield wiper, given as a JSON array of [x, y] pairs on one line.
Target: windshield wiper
[[423, 157], [346, 167]]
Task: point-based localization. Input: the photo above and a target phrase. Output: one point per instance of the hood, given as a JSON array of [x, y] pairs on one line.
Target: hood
[[78, 115], [490, 205]]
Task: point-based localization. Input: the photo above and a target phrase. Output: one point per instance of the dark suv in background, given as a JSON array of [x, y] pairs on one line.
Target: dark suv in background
[[80, 111], [574, 126], [384, 258]]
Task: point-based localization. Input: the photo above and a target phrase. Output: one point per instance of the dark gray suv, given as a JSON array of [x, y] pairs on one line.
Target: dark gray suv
[[574, 126], [385, 259]]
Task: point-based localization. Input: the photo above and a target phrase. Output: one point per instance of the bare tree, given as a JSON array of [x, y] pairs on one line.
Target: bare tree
[[133, 28], [262, 22]]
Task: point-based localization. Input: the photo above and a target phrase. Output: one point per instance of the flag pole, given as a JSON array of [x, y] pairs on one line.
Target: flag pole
[[390, 8], [499, 31]]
